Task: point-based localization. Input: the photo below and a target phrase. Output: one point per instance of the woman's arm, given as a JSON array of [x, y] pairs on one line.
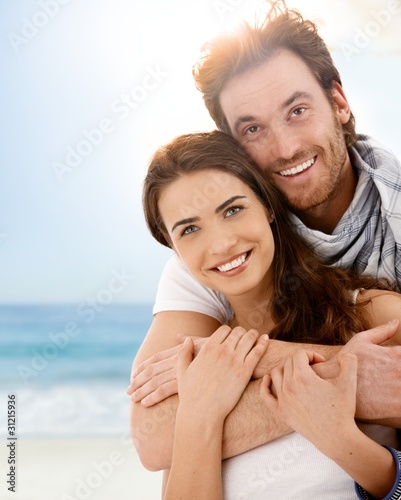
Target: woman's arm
[[250, 424], [323, 412], [209, 387]]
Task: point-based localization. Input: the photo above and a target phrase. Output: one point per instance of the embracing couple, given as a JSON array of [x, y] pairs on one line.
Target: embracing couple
[[272, 368]]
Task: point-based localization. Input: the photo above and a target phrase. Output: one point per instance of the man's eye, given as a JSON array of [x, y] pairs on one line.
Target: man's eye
[[251, 130], [298, 111], [189, 230], [232, 211]]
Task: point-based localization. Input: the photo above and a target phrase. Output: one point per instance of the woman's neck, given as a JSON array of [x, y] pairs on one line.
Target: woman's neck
[[253, 309]]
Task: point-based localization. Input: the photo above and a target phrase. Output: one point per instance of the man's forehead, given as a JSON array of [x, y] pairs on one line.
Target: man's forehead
[[276, 82]]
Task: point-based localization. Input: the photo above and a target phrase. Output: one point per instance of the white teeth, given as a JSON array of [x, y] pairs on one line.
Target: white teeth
[[231, 265], [299, 168]]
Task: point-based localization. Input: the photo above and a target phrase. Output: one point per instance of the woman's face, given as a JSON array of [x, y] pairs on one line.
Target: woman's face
[[220, 230]]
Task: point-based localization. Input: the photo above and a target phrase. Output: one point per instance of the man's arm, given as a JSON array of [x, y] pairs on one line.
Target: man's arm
[[249, 425]]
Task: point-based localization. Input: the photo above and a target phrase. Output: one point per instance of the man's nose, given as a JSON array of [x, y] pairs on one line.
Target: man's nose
[[284, 142]]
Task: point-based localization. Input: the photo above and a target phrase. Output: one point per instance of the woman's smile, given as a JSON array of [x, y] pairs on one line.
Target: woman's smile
[[234, 266]]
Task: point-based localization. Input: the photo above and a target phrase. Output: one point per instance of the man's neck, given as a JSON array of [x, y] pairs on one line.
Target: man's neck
[[326, 216]]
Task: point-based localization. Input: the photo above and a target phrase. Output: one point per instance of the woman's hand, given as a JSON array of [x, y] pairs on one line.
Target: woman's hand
[[320, 410], [214, 381]]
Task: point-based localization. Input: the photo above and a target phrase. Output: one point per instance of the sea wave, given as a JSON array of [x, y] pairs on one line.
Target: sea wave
[[69, 410], [69, 384]]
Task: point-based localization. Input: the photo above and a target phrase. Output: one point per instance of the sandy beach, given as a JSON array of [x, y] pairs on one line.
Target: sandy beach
[[78, 469]]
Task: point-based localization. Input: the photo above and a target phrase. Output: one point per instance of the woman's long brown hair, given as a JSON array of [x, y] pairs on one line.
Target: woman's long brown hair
[[312, 302]]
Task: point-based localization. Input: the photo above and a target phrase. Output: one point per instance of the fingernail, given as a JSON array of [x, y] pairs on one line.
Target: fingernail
[[265, 336]]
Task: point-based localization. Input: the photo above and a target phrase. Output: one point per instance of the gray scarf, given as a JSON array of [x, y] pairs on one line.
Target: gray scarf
[[368, 237]]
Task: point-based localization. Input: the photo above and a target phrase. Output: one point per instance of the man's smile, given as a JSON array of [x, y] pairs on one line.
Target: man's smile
[[299, 168]]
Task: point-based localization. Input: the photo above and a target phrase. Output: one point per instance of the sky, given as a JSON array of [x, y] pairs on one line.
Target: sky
[[90, 88]]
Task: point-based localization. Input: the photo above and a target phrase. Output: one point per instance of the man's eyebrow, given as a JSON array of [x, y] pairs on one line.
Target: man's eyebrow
[[250, 118], [241, 120], [189, 220], [294, 97], [228, 202]]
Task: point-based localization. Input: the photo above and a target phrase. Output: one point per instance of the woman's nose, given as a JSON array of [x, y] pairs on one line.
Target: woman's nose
[[221, 241]]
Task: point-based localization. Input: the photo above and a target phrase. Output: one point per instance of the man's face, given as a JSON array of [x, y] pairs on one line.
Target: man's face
[[282, 117]]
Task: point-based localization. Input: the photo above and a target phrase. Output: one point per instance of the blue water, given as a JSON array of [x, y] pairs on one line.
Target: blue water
[[69, 368]]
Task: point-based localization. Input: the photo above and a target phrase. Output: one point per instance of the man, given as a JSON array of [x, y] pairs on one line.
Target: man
[[276, 90]]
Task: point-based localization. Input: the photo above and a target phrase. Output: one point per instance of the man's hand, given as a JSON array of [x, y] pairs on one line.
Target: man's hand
[[156, 378], [379, 372]]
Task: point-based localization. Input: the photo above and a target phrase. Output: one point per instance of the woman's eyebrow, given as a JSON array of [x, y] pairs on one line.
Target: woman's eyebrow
[[221, 207], [185, 221], [228, 202]]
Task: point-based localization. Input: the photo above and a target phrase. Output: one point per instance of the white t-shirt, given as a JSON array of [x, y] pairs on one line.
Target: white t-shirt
[[179, 291], [287, 468], [292, 468]]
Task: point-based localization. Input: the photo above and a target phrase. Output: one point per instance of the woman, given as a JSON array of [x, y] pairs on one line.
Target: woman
[[205, 199]]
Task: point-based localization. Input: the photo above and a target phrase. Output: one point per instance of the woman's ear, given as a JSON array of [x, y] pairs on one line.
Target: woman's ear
[[270, 217]]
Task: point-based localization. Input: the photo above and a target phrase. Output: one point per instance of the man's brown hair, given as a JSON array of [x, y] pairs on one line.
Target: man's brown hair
[[283, 28]]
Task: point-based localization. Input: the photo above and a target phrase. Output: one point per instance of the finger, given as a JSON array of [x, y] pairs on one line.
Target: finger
[[304, 356], [220, 335], [301, 368], [237, 334], [153, 384], [348, 370], [185, 356], [287, 369], [247, 341], [159, 356], [277, 375], [161, 393], [199, 342], [317, 358], [152, 371], [253, 356], [266, 393], [381, 333]]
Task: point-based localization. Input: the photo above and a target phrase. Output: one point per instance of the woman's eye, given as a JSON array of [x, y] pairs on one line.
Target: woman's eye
[[189, 230], [232, 211]]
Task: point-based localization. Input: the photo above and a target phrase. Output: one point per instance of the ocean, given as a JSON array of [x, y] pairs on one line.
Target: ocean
[[69, 368]]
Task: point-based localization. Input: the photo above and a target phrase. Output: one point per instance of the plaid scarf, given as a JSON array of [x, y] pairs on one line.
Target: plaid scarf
[[368, 236]]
